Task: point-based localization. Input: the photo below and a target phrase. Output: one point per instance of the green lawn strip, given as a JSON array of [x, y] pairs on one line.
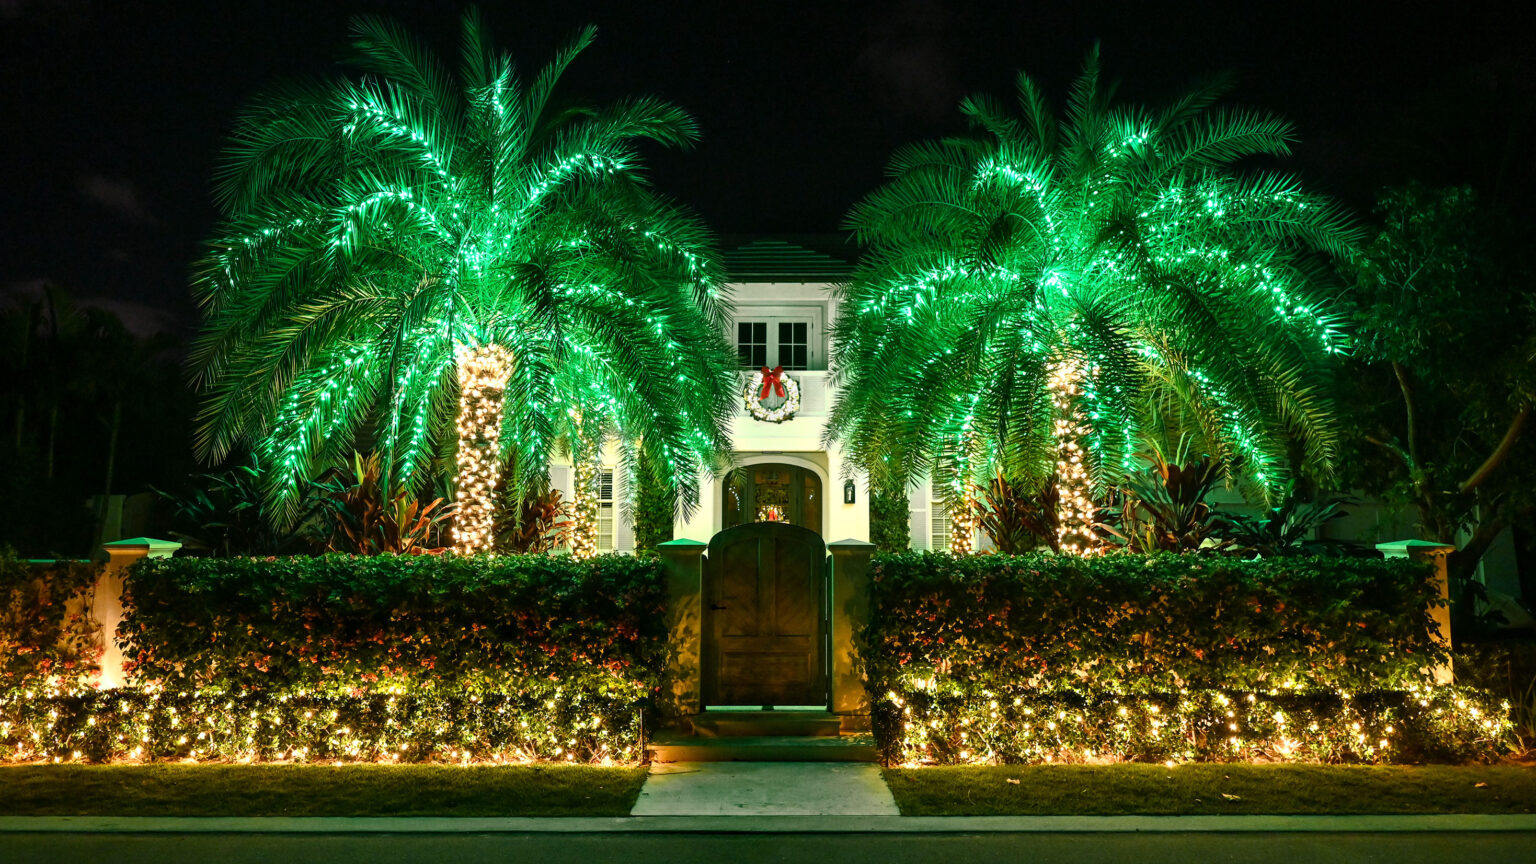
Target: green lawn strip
[[317, 790], [1211, 789]]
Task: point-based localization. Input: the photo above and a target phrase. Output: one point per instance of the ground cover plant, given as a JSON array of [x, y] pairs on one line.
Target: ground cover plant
[[1032, 790], [1050, 658], [318, 790], [381, 658]]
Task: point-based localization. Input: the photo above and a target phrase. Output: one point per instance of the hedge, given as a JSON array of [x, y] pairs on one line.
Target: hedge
[[336, 657], [1048, 657], [344, 625], [47, 638]]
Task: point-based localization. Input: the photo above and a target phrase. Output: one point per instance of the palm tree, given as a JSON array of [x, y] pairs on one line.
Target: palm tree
[[1032, 293], [423, 261]]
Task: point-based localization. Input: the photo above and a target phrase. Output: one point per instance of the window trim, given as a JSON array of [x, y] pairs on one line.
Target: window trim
[[772, 314]]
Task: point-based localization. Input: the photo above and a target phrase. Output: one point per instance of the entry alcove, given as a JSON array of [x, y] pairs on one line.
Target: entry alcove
[[772, 492]]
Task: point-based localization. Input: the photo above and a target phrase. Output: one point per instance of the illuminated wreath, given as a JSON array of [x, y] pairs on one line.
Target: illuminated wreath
[[775, 382]]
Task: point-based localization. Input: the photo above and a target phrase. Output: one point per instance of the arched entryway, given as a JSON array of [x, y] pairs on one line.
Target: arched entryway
[[772, 492], [765, 617]]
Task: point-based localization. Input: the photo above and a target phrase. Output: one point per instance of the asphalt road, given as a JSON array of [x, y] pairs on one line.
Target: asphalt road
[[1076, 848]]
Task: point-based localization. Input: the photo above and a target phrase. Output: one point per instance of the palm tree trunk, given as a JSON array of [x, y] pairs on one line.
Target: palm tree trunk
[[483, 374], [584, 532], [1075, 509]]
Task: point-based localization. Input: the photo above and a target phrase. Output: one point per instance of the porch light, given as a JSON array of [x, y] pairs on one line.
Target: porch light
[[850, 492]]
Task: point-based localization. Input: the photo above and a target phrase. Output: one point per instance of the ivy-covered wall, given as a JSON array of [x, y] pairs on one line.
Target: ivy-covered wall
[[47, 637], [1044, 658]]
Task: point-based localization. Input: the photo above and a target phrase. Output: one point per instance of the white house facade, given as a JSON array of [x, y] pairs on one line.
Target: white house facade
[[782, 471]]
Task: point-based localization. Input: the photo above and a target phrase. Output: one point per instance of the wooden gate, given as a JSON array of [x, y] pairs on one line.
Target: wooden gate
[[765, 627]]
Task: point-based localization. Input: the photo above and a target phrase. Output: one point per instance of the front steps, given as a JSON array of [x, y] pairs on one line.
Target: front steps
[[763, 736], [741, 724]]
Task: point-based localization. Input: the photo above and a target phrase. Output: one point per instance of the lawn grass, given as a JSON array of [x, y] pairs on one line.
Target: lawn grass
[[1211, 789], [317, 790]]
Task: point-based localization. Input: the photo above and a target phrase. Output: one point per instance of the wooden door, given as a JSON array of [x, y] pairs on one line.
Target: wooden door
[[765, 617]]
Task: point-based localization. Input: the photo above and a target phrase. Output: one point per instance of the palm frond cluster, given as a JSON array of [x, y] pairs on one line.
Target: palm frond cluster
[[1117, 240], [377, 225]]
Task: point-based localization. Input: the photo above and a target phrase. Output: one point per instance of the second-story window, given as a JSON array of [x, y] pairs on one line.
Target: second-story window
[[794, 344], [752, 343], [777, 340]]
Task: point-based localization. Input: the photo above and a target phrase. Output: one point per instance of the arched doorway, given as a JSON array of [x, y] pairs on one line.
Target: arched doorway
[[772, 492]]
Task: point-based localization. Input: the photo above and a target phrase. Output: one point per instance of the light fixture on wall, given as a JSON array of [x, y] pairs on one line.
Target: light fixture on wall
[[850, 492]]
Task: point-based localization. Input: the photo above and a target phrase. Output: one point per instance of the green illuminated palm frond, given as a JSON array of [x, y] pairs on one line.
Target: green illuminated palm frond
[[376, 223], [1120, 237]]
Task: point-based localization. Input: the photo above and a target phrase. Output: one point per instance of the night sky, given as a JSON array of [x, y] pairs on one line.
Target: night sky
[[113, 112]]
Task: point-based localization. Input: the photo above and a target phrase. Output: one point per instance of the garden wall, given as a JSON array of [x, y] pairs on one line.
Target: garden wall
[[1162, 658], [379, 658]]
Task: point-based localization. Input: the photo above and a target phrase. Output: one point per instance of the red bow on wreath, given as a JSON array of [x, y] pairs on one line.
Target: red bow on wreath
[[772, 380]]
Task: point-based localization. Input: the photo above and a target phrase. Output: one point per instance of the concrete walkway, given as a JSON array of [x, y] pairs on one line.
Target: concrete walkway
[[765, 789]]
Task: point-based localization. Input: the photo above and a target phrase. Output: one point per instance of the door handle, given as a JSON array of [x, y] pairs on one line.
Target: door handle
[[717, 606]]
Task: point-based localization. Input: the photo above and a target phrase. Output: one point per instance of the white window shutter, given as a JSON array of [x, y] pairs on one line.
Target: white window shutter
[[624, 528], [917, 502], [560, 478]]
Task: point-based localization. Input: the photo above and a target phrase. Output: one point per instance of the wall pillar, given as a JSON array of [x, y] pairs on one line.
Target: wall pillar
[[850, 615], [683, 562], [107, 598], [1428, 550]]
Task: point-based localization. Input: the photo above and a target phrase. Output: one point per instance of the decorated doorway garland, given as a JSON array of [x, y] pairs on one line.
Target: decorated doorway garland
[[775, 383]]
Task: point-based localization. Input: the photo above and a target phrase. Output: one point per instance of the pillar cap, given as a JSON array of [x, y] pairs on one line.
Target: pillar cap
[[850, 543], [1409, 547], [146, 544], [681, 543]]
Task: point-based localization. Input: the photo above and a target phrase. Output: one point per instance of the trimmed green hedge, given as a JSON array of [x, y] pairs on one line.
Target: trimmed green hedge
[[382, 658], [343, 625], [1040, 658], [1151, 624]]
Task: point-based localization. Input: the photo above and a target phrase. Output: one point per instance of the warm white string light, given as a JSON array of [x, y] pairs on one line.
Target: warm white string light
[[1075, 508], [483, 375], [963, 521], [584, 531]]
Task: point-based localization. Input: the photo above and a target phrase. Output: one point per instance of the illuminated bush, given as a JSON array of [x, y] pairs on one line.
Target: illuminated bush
[[380, 658], [1047, 658], [339, 625]]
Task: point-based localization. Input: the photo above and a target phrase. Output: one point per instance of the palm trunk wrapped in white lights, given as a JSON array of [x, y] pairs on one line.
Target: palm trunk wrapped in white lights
[[962, 521], [1075, 508], [483, 376], [584, 531]]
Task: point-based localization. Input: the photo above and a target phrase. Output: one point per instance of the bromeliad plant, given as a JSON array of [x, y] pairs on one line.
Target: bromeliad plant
[[364, 520], [436, 260], [1029, 291]]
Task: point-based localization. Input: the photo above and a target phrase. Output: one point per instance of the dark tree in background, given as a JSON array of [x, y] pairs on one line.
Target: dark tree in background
[[90, 408], [1443, 383]]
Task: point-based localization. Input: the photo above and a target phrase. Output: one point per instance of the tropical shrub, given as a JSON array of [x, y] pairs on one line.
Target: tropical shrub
[[534, 524], [1020, 516], [890, 527], [365, 519]]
